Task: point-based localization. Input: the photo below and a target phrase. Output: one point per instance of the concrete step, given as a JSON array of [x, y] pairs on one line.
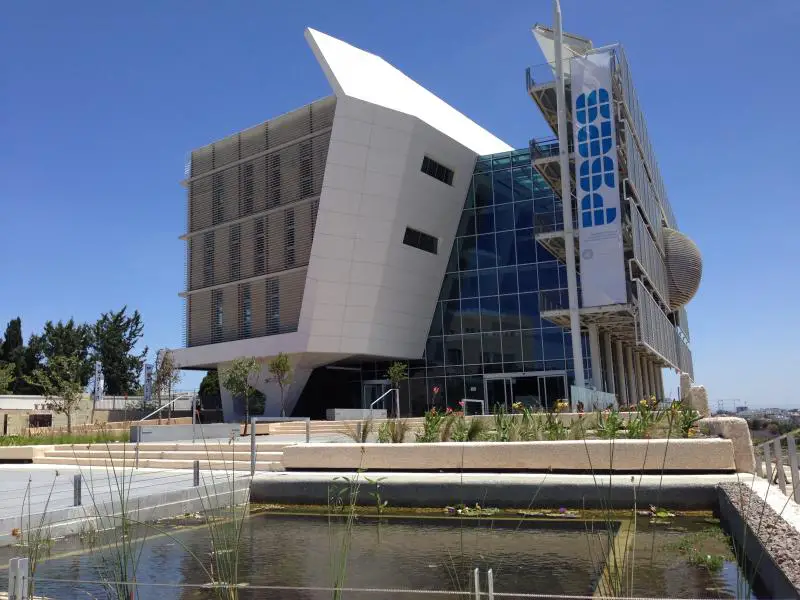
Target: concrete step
[[173, 447], [210, 454], [151, 463]]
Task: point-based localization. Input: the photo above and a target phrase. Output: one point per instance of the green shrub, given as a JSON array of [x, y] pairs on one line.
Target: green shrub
[[393, 431]]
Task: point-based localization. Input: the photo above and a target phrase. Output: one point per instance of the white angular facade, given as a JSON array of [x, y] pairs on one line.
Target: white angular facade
[[366, 292]]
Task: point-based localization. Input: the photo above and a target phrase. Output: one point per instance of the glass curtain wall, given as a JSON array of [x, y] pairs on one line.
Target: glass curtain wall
[[487, 319]]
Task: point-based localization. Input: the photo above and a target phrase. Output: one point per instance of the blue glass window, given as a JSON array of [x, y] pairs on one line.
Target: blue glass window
[[468, 258], [531, 345], [529, 310], [523, 186], [502, 187], [483, 189], [528, 281], [508, 280], [523, 214], [506, 249], [509, 312], [472, 349], [548, 276], [487, 252], [526, 246], [487, 279], [504, 217], [512, 349], [452, 316], [469, 284], [490, 314], [553, 343], [485, 220]]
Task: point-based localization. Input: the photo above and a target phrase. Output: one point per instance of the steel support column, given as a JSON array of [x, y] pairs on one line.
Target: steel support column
[[608, 354], [631, 376], [637, 366], [622, 384], [566, 196], [594, 351]]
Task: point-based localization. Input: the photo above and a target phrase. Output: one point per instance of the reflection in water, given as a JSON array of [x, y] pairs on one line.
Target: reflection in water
[[397, 553]]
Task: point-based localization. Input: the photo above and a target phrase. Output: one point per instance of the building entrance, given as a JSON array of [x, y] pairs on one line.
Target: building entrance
[[372, 389], [538, 391]]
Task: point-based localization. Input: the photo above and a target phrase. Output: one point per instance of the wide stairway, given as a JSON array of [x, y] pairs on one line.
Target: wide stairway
[[167, 455]]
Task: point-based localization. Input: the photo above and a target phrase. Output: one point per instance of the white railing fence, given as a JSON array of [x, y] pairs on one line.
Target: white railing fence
[[590, 399], [777, 461]]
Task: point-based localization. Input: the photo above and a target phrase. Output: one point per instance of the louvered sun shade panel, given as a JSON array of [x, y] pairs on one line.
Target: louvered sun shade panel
[[244, 310], [253, 201]]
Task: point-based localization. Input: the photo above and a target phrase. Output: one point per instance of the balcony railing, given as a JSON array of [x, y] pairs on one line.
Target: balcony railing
[[547, 148], [777, 461]]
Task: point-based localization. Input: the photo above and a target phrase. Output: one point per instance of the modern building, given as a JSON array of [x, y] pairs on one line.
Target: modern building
[[380, 224]]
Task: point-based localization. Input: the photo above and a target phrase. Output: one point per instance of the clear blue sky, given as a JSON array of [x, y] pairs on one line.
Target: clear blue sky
[[101, 101]]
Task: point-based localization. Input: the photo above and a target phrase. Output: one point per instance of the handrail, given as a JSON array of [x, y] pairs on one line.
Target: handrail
[[171, 402], [158, 410], [382, 396]]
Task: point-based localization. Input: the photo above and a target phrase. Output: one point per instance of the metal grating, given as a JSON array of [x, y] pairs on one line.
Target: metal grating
[[253, 202], [653, 328], [642, 190], [247, 309], [649, 259], [632, 107]]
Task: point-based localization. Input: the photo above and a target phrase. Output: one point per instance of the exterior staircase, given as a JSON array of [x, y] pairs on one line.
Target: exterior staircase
[[167, 455]]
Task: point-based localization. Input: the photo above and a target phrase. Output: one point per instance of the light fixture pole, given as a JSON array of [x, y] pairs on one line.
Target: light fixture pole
[[566, 199]]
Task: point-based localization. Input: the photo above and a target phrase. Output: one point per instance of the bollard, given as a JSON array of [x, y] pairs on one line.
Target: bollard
[[76, 490], [308, 430], [196, 473], [477, 578], [18, 579], [490, 583]]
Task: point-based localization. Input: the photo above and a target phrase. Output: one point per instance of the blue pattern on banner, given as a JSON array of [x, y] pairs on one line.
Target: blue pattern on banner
[[593, 112]]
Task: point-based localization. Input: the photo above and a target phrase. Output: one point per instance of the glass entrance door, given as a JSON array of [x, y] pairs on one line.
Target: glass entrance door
[[551, 389], [499, 392], [373, 389]]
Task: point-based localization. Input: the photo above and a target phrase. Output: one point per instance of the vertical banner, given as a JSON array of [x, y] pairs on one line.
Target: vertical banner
[[602, 261], [148, 383], [99, 382]]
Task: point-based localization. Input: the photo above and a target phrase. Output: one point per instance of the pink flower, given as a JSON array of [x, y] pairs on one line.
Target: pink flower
[[461, 404], [449, 410]]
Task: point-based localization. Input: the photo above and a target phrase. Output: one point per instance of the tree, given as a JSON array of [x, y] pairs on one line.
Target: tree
[[209, 386], [236, 379], [397, 373], [12, 340], [69, 339], [7, 374], [116, 334], [60, 384], [165, 377], [24, 358], [280, 368]]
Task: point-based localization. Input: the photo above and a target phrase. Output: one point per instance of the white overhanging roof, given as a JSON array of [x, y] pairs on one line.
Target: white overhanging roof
[[358, 74]]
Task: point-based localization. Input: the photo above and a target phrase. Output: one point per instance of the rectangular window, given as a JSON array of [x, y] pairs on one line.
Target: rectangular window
[[217, 316], [234, 255], [245, 312], [289, 238], [260, 256], [423, 241], [217, 209], [247, 190], [208, 258], [437, 170], [273, 307]]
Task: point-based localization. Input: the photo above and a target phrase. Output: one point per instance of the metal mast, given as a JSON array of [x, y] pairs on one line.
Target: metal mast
[[566, 199]]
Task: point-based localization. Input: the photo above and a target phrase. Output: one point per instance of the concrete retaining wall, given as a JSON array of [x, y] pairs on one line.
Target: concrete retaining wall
[[170, 433], [22, 453], [701, 455], [103, 515], [516, 490]]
